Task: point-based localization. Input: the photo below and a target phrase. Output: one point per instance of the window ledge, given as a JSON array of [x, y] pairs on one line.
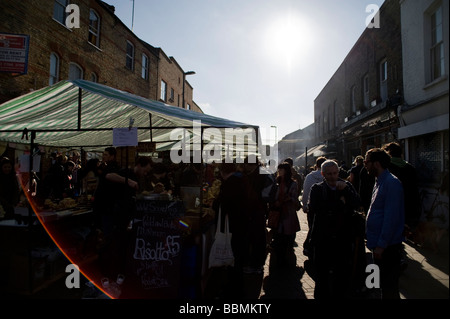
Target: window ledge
[[435, 82], [93, 45], [62, 24]]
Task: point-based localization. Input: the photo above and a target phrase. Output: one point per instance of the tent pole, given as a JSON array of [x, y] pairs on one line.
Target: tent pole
[[151, 129], [79, 108], [30, 215]]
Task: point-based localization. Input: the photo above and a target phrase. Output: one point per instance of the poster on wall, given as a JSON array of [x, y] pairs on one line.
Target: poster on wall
[[14, 53]]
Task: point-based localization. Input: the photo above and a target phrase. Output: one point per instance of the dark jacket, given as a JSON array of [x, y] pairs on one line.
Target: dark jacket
[[332, 211]]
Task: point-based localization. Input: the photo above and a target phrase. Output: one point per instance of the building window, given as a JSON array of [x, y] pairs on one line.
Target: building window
[[318, 126], [144, 71], [54, 69], [437, 45], [172, 95], [130, 56], [188, 106], [163, 90], [366, 91], [330, 119], [324, 125], [353, 99], [94, 28], [59, 10], [383, 80], [75, 71], [94, 77], [335, 113]]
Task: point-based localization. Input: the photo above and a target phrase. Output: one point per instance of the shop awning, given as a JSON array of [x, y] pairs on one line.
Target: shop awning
[[313, 152], [83, 113]]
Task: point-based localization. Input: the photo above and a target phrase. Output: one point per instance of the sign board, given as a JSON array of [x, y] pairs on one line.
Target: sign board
[[14, 53], [24, 161], [125, 137], [155, 250], [146, 147]]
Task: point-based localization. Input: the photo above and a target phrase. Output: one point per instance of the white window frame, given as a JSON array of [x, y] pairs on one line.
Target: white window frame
[[130, 57], [383, 80], [73, 64], [353, 99], [437, 55], [54, 69], [336, 114], [60, 4], [144, 70], [163, 95], [366, 91], [94, 31]]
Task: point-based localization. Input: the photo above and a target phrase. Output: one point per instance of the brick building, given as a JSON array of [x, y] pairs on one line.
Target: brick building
[[100, 48], [424, 115], [357, 108]]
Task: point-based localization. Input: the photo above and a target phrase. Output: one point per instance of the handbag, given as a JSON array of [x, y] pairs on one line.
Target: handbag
[[221, 253], [273, 219]]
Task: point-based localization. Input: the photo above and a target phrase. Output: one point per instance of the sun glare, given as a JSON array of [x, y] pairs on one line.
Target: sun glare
[[287, 39]]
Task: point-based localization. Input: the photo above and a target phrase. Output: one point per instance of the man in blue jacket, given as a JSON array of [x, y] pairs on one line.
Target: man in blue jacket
[[385, 222]]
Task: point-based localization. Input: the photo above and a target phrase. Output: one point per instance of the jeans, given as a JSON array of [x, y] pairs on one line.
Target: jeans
[[389, 265]]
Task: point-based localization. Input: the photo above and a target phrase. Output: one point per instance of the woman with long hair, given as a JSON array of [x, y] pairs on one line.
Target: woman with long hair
[[285, 197]]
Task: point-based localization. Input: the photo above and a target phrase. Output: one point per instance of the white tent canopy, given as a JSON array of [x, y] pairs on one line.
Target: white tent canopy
[[83, 114]]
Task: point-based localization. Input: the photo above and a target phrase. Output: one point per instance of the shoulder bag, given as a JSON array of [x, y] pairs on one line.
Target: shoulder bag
[[221, 253]]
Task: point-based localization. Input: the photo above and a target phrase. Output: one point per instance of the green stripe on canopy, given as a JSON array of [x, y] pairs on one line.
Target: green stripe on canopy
[[56, 108]]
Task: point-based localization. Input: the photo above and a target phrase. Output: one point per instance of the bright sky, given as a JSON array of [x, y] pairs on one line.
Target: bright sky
[[260, 62]]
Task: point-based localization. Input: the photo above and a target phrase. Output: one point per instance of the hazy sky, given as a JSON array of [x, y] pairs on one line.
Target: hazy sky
[[259, 62]]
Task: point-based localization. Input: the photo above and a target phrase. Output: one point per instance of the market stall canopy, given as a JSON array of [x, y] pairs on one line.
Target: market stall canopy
[[313, 152], [83, 113]]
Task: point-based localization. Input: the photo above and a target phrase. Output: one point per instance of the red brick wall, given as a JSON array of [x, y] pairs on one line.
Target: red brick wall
[[107, 61]]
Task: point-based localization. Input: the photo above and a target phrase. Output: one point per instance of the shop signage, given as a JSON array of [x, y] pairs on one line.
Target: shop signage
[[125, 137], [14, 53], [155, 250]]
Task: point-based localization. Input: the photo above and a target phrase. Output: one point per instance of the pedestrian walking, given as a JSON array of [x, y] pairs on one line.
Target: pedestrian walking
[[310, 179], [285, 199], [332, 204], [385, 222]]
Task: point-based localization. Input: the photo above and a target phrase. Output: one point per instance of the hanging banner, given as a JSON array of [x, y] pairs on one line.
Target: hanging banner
[[14, 53]]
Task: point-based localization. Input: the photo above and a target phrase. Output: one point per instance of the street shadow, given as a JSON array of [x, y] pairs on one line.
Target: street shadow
[[438, 258], [417, 283], [283, 281]]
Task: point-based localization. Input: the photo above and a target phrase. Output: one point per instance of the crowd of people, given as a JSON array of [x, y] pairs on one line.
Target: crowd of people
[[372, 204]]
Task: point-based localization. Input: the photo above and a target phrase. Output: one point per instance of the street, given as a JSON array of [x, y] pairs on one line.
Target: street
[[426, 276]]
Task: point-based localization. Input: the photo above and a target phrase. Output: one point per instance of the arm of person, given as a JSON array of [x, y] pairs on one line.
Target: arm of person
[[393, 221], [306, 190], [116, 178]]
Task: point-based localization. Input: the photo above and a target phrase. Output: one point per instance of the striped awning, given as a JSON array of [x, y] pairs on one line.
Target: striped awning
[[83, 113]]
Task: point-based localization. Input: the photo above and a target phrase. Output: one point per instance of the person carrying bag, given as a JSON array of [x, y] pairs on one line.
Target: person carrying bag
[[221, 253]]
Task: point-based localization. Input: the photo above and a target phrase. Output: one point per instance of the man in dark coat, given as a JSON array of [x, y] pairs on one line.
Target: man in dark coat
[[332, 204]]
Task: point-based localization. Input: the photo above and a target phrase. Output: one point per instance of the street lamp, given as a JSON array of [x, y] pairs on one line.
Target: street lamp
[[184, 83]]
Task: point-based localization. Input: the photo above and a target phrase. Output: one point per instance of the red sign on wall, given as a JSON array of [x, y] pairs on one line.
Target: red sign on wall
[[14, 53]]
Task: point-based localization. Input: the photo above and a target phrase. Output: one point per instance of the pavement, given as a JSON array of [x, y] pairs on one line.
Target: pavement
[[426, 275]]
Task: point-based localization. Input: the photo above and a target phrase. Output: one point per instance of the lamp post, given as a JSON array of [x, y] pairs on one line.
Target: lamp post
[[276, 133], [184, 84]]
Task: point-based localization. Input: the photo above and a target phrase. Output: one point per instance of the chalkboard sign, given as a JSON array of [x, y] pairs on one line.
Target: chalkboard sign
[[155, 250]]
